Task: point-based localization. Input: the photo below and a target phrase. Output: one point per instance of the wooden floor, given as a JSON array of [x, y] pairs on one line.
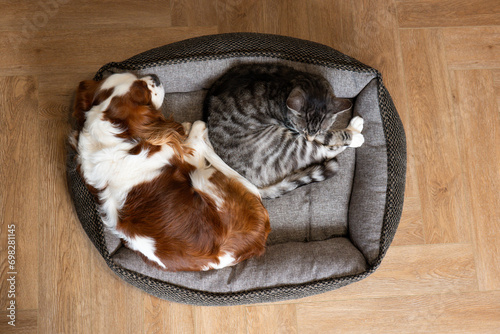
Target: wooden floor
[[441, 62]]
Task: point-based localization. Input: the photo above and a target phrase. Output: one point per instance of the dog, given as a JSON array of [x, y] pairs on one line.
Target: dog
[[159, 184]]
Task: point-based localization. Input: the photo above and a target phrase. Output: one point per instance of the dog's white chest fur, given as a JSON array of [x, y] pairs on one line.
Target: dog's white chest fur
[[108, 166]]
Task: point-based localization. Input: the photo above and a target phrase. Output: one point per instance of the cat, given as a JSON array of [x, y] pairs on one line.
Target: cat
[[271, 123]]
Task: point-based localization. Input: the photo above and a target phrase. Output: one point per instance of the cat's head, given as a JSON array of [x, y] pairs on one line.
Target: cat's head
[[313, 113]]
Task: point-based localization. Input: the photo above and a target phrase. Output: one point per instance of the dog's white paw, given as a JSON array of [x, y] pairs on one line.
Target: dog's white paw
[[357, 140], [356, 124], [198, 126], [198, 130], [187, 127]]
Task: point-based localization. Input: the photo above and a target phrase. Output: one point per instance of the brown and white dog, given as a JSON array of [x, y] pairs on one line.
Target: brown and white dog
[[164, 192]]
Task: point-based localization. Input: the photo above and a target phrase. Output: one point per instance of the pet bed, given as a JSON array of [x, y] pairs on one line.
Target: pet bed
[[324, 235]]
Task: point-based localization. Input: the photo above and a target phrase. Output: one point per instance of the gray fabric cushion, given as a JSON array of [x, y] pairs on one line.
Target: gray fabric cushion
[[366, 209], [316, 212], [287, 263], [325, 235]]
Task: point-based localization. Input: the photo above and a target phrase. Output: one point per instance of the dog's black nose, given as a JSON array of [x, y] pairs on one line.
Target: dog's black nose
[[156, 80]]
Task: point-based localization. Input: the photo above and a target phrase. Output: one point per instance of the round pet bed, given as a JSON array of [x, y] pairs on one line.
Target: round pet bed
[[325, 235]]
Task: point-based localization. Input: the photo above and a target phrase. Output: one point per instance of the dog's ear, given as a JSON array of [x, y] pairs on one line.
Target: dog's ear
[[88, 95], [85, 95], [84, 100], [162, 131], [139, 93]]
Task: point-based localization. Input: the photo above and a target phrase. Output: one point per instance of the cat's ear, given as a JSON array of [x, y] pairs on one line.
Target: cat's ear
[[296, 100], [341, 104]]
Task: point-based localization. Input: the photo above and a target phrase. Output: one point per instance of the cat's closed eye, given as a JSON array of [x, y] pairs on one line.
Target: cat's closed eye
[[300, 124]]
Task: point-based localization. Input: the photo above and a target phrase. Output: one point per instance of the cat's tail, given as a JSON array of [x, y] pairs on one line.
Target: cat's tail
[[310, 174]]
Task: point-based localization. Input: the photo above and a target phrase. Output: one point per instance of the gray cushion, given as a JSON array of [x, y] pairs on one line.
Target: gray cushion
[[325, 235]]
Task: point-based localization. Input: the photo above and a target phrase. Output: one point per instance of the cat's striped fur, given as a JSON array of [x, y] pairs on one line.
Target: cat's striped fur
[[271, 123]]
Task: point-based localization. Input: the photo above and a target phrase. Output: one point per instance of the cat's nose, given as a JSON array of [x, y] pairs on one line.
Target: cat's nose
[[310, 138]]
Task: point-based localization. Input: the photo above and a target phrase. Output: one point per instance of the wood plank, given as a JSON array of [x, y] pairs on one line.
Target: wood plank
[[271, 319], [204, 14], [50, 52], [19, 183], [411, 186], [179, 13], [446, 13], [373, 40], [25, 322], [56, 93], [216, 320], [28, 18], [161, 316], [118, 307], [240, 16], [372, 36], [329, 16], [59, 89], [472, 48], [445, 211], [478, 123], [413, 270], [410, 230], [440, 313], [295, 20], [193, 13], [496, 85], [64, 282]]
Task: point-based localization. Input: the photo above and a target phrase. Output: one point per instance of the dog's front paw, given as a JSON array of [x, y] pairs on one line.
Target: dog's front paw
[[187, 127], [199, 126], [199, 130]]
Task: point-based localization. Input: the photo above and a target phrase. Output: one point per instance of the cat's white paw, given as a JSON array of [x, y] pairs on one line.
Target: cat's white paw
[[357, 140], [356, 124]]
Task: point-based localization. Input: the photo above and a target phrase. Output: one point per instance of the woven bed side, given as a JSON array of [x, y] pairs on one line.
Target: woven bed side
[[85, 205], [396, 169], [235, 45], [244, 45]]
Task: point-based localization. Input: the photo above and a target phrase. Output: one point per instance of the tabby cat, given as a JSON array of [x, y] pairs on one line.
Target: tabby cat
[[271, 123]]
